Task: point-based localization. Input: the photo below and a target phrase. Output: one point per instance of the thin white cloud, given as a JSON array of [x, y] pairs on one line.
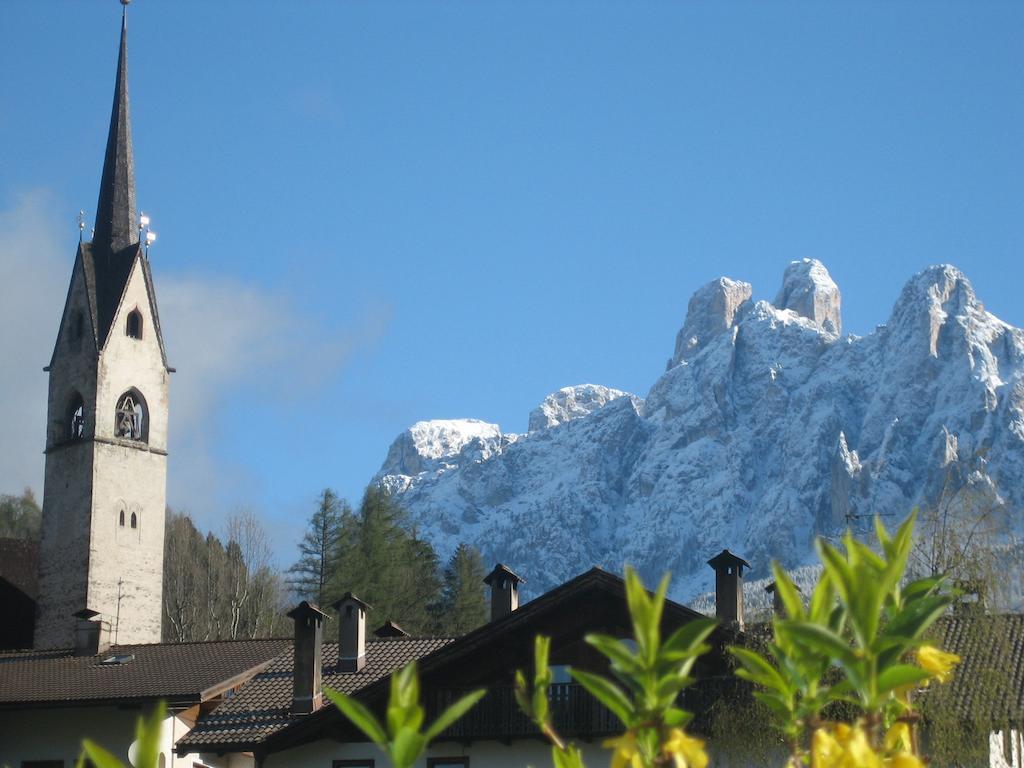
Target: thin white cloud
[[222, 335]]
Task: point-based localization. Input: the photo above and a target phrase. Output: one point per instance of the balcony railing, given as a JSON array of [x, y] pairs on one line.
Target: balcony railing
[[574, 712]]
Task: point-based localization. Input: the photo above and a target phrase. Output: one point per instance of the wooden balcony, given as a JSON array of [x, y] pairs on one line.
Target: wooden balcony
[[574, 712]]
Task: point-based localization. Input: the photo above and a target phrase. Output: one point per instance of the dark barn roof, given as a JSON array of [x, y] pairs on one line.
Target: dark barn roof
[[180, 673], [988, 684], [261, 708], [257, 717]]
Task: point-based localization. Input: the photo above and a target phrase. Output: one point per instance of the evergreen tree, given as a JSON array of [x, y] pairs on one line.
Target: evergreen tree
[[381, 562], [463, 606], [310, 576]]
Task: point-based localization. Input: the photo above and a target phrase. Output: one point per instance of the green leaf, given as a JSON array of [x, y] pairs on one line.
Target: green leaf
[[916, 616], [687, 640], [899, 675], [616, 652], [541, 652], [360, 717], [454, 712], [677, 718], [100, 757], [787, 592], [406, 748], [819, 639], [607, 693], [759, 670], [147, 735]]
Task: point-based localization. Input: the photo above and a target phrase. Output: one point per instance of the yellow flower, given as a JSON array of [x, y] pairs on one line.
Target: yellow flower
[[939, 663], [626, 754], [843, 746], [898, 738], [687, 751]]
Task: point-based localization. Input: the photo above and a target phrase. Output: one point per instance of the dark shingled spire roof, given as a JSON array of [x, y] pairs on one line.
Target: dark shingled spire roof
[[116, 228]]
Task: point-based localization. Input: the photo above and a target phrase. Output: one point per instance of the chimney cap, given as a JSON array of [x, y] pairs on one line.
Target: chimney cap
[[503, 570], [726, 558], [86, 613], [305, 608], [390, 629], [349, 597]]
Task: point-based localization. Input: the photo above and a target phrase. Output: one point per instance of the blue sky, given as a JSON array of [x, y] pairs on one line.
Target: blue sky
[[375, 213]]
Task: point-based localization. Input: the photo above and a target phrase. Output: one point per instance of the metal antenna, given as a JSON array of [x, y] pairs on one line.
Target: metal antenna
[[120, 581], [81, 225]]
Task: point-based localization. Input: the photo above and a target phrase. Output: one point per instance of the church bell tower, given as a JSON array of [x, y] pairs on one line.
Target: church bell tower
[[105, 484]]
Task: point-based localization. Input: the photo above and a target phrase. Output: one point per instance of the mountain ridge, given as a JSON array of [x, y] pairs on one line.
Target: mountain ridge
[[768, 427]]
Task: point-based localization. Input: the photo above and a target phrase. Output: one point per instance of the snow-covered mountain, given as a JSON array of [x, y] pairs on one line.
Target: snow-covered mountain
[[768, 428]]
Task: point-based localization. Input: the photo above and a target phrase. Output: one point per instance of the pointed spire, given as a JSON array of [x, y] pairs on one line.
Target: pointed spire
[[115, 212]]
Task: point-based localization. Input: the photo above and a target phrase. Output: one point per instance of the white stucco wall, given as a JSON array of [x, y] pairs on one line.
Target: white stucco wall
[[1006, 749], [56, 734]]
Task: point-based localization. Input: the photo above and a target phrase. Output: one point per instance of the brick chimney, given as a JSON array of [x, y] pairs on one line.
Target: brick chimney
[[729, 587], [92, 634], [504, 584], [351, 633], [309, 626]]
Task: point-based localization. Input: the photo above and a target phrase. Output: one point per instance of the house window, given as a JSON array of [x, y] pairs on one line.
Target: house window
[[352, 764], [130, 419], [76, 418], [133, 328], [447, 762]]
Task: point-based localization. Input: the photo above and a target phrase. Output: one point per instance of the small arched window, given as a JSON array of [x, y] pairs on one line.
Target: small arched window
[[133, 327], [76, 418], [121, 519], [131, 420], [135, 520]]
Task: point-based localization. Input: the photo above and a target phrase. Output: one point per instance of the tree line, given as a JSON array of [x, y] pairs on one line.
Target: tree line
[[228, 588], [374, 553]]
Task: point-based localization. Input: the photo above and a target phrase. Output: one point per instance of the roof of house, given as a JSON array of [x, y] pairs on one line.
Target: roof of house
[[180, 673], [988, 684], [257, 717], [261, 707]]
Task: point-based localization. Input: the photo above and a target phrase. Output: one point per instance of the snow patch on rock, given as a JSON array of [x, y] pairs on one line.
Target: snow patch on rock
[[808, 290], [571, 403]]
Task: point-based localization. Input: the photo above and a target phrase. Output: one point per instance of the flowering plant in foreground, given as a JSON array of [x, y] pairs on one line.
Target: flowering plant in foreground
[[864, 623], [644, 693]]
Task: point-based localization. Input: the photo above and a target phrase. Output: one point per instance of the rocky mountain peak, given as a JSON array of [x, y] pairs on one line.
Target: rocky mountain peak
[[712, 310], [571, 403], [809, 291]]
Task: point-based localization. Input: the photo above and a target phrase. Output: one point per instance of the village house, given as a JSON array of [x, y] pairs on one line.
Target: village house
[[282, 719]]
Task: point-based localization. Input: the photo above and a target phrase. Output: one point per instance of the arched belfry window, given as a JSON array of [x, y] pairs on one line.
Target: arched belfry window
[[76, 418], [120, 520], [131, 419], [135, 520], [133, 327]]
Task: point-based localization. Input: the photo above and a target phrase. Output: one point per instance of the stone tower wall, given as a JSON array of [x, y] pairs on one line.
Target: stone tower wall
[[88, 558]]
